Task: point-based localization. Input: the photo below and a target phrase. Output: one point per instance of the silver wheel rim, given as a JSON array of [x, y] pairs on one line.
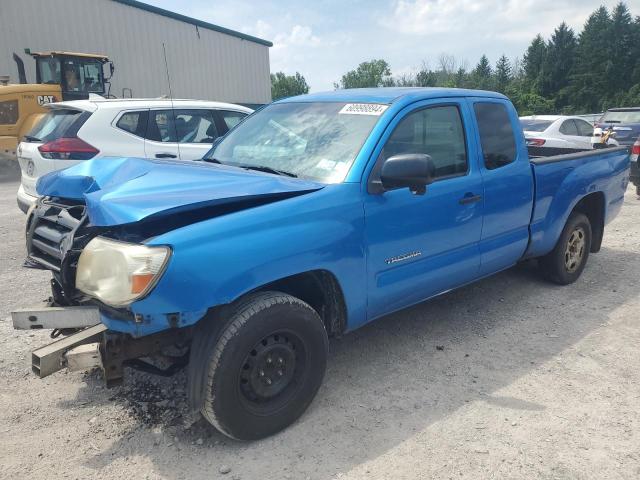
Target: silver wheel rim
[[574, 251]]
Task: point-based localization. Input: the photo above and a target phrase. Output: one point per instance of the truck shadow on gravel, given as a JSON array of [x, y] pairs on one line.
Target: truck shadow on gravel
[[387, 381]]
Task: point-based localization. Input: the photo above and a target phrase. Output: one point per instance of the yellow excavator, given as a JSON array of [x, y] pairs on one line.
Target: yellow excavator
[[59, 76]]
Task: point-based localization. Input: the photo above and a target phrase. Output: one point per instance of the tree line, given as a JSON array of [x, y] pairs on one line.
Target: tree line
[[585, 72]]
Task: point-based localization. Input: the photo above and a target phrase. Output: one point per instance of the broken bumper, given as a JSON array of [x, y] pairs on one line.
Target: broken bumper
[[55, 317], [93, 345], [79, 351]]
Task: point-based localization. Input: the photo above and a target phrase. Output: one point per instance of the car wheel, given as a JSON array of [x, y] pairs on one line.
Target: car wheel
[[265, 367], [564, 264]]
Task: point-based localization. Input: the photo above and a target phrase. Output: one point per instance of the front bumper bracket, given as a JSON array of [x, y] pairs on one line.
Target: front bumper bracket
[[51, 358], [55, 317]]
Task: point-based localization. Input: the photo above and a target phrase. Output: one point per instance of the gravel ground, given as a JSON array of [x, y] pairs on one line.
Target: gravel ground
[[508, 378]]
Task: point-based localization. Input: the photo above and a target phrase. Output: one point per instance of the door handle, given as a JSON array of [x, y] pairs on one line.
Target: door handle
[[165, 155], [469, 198]]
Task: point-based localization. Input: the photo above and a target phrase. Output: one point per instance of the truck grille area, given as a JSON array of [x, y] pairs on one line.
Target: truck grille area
[[51, 231]]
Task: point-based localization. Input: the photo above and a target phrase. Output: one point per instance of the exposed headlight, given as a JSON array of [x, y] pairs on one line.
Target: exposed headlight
[[117, 273]]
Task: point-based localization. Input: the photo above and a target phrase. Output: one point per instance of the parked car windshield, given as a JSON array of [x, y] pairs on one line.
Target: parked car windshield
[[535, 125], [318, 141], [623, 116]]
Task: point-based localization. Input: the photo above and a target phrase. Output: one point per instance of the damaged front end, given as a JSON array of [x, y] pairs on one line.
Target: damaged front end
[[56, 233]]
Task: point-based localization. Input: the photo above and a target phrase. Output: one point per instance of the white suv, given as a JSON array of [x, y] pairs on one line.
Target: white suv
[[71, 132]]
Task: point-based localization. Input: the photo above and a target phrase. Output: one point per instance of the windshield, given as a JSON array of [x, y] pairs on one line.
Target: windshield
[[535, 125], [628, 116], [76, 75], [318, 141]]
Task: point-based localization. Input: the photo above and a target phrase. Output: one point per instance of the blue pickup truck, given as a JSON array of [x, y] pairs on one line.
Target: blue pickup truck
[[311, 218]]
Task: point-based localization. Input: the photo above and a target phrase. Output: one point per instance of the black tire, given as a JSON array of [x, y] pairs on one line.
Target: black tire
[[638, 190], [265, 367], [564, 264]]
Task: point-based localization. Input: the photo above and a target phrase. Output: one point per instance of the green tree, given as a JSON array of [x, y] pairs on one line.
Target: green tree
[[620, 68], [589, 83], [503, 74], [482, 74], [533, 62], [635, 51], [460, 78], [426, 78], [558, 64], [374, 73], [287, 85]]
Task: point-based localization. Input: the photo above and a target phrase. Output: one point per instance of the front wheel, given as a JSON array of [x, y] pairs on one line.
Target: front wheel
[[265, 367], [564, 264]]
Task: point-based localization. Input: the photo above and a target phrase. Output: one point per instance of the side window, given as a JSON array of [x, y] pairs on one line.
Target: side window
[[195, 126], [568, 127], [182, 126], [435, 131], [496, 134], [585, 129], [161, 126], [231, 119], [133, 122]]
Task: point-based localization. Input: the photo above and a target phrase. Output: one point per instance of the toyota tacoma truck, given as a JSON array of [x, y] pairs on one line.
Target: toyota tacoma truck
[[312, 217]]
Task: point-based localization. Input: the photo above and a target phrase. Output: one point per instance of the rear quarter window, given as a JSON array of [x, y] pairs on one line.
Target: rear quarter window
[[496, 134], [58, 123], [134, 123]]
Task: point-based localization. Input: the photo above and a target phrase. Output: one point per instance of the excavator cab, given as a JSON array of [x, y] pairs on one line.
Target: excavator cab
[[77, 74]]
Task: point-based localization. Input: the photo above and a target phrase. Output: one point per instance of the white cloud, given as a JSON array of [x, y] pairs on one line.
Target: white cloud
[[300, 36], [429, 16]]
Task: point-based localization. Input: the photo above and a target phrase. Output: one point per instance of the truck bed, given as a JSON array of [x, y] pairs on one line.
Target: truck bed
[[560, 181]]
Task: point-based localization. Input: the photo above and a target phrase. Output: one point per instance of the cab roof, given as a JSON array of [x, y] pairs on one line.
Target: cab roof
[[389, 95], [61, 53]]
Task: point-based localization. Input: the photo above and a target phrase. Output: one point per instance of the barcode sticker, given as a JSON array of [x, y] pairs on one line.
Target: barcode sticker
[[363, 109]]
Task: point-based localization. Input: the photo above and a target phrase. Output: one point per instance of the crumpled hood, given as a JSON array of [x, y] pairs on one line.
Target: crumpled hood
[[125, 190]]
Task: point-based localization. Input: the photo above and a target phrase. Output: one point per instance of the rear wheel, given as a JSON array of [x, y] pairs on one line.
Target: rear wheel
[[265, 367], [564, 264]]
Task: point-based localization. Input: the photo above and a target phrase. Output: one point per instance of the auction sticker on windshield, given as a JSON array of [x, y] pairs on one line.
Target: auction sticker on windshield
[[363, 109]]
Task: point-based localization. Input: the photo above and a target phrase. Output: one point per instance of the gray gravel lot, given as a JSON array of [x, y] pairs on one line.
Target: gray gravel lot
[[533, 381]]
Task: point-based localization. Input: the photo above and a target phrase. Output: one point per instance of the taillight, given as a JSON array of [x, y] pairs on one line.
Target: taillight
[[535, 142], [67, 148], [635, 150]]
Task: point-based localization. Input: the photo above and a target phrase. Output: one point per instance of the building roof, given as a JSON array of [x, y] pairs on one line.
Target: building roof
[[389, 94], [193, 21]]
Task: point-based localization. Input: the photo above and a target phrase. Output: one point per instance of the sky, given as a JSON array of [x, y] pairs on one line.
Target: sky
[[324, 39]]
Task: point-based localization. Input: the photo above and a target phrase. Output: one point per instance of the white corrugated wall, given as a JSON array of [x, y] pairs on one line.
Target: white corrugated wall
[[203, 63]]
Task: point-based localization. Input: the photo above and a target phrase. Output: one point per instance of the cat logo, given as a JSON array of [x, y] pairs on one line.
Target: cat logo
[[44, 99]]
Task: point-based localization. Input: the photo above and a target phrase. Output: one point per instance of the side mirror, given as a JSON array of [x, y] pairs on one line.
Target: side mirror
[[412, 170], [111, 69]]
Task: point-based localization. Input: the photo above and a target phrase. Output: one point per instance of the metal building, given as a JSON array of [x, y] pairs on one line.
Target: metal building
[[205, 61]]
